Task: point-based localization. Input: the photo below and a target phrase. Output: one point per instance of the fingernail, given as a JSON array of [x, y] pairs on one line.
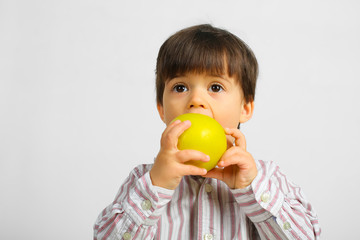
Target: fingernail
[[188, 122], [207, 157]]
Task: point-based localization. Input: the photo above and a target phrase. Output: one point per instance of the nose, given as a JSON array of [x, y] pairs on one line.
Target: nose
[[197, 100]]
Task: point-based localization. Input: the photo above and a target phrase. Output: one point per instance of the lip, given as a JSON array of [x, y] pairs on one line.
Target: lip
[[201, 112]]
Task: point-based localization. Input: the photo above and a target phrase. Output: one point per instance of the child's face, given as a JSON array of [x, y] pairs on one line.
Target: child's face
[[219, 97]]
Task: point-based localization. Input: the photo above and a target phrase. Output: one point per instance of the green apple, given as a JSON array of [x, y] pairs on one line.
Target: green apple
[[206, 135]]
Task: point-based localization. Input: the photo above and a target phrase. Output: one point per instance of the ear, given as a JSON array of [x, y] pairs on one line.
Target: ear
[[160, 109], [247, 110]]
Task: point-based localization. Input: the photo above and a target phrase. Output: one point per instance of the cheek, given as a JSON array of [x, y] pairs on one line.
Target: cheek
[[229, 117], [168, 116], [167, 109], [229, 110], [170, 112]]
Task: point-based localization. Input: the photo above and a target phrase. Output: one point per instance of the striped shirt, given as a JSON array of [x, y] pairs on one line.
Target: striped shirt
[[272, 207]]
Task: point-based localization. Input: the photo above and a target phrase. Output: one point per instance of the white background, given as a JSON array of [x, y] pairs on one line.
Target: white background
[[77, 103]]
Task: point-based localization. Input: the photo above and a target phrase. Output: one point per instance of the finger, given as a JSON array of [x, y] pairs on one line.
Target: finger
[[192, 170], [217, 173], [173, 132], [171, 126], [234, 156], [179, 128], [188, 155], [240, 140]]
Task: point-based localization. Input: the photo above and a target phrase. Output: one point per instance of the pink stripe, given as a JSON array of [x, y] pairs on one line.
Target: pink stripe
[[308, 208], [138, 211], [276, 197], [314, 221], [272, 230], [232, 214], [107, 223], [128, 183], [285, 179], [137, 233], [148, 189], [220, 196], [257, 213], [158, 231], [181, 188], [139, 193], [112, 226], [104, 212], [239, 231], [211, 205], [300, 214], [250, 192], [148, 232], [246, 204], [131, 227], [170, 221], [290, 230], [138, 173], [262, 176], [295, 191], [191, 205], [152, 217], [278, 178], [164, 196], [200, 215], [262, 231], [297, 224]]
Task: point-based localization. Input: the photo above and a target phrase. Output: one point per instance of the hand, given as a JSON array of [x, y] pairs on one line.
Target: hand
[[170, 164], [237, 168]]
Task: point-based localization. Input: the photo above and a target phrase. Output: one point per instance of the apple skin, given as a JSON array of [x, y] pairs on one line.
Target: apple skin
[[206, 135]]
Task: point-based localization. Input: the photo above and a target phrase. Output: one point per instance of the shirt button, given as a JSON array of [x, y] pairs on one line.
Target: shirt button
[[208, 236], [208, 188], [265, 197], [287, 225], [127, 236], [146, 205]]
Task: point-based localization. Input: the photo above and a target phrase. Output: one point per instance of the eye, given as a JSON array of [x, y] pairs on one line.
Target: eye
[[216, 88], [180, 88]]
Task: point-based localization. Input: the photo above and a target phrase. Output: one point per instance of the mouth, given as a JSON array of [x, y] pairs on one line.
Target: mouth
[[201, 112]]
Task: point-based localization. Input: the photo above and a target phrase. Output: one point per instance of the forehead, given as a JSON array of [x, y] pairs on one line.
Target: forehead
[[212, 65]]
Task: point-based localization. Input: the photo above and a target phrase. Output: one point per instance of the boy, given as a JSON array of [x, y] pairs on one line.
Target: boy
[[207, 70]]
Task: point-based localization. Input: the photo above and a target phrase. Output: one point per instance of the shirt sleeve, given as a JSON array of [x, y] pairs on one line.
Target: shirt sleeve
[[136, 209], [277, 207]]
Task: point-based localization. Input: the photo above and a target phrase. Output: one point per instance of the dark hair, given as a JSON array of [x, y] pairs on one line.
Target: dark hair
[[206, 49]]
